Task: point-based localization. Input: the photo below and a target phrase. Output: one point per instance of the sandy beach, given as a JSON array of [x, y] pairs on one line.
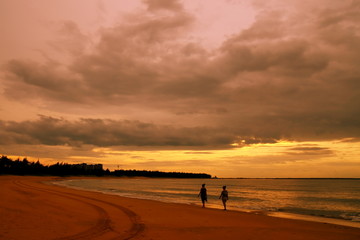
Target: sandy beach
[[32, 209]]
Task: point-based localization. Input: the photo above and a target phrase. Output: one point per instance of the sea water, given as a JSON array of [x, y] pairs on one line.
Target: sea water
[[310, 199]]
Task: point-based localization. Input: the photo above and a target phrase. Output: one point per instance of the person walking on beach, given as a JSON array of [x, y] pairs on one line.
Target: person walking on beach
[[224, 196], [203, 195]]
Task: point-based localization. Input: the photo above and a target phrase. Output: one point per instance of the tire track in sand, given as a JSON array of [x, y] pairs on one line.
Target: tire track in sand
[[102, 225]]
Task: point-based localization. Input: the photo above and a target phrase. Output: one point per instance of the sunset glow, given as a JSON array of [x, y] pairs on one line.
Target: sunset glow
[[249, 88]]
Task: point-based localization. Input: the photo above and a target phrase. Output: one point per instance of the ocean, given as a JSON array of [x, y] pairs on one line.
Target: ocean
[[325, 200]]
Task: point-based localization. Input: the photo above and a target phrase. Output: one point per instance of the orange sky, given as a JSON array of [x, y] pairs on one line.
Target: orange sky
[[248, 88]]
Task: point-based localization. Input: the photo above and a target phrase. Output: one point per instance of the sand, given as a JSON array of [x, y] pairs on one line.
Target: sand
[[30, 208]]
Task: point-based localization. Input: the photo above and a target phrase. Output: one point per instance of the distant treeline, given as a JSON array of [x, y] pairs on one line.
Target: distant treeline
[[25, 167]]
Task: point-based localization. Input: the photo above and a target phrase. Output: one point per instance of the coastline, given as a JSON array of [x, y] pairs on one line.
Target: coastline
[[31, 209], [110, 188]]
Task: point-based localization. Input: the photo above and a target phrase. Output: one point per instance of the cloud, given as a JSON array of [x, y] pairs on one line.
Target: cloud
[[293, 74], [71, 39], [106, 133], [52, 154], [350, 140], [310, 151], [173, 5], [179, 164], [32, 80], [199, 153]]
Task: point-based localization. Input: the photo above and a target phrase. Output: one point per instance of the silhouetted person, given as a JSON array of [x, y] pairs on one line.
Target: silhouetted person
[[224, 196], [203, 195]]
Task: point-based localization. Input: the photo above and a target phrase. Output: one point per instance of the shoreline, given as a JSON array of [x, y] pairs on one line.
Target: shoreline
[[278, 214], [31, 209], [335, 221], [286, 215]]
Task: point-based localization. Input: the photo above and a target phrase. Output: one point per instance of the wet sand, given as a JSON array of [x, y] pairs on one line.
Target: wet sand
[[32, 209]]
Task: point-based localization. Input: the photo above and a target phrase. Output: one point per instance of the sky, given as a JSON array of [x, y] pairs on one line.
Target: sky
[[232, 88]]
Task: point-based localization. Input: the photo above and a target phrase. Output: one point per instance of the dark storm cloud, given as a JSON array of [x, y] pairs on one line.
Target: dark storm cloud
[[105, 133], [130, 60], [31, 80], [288, 76]]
